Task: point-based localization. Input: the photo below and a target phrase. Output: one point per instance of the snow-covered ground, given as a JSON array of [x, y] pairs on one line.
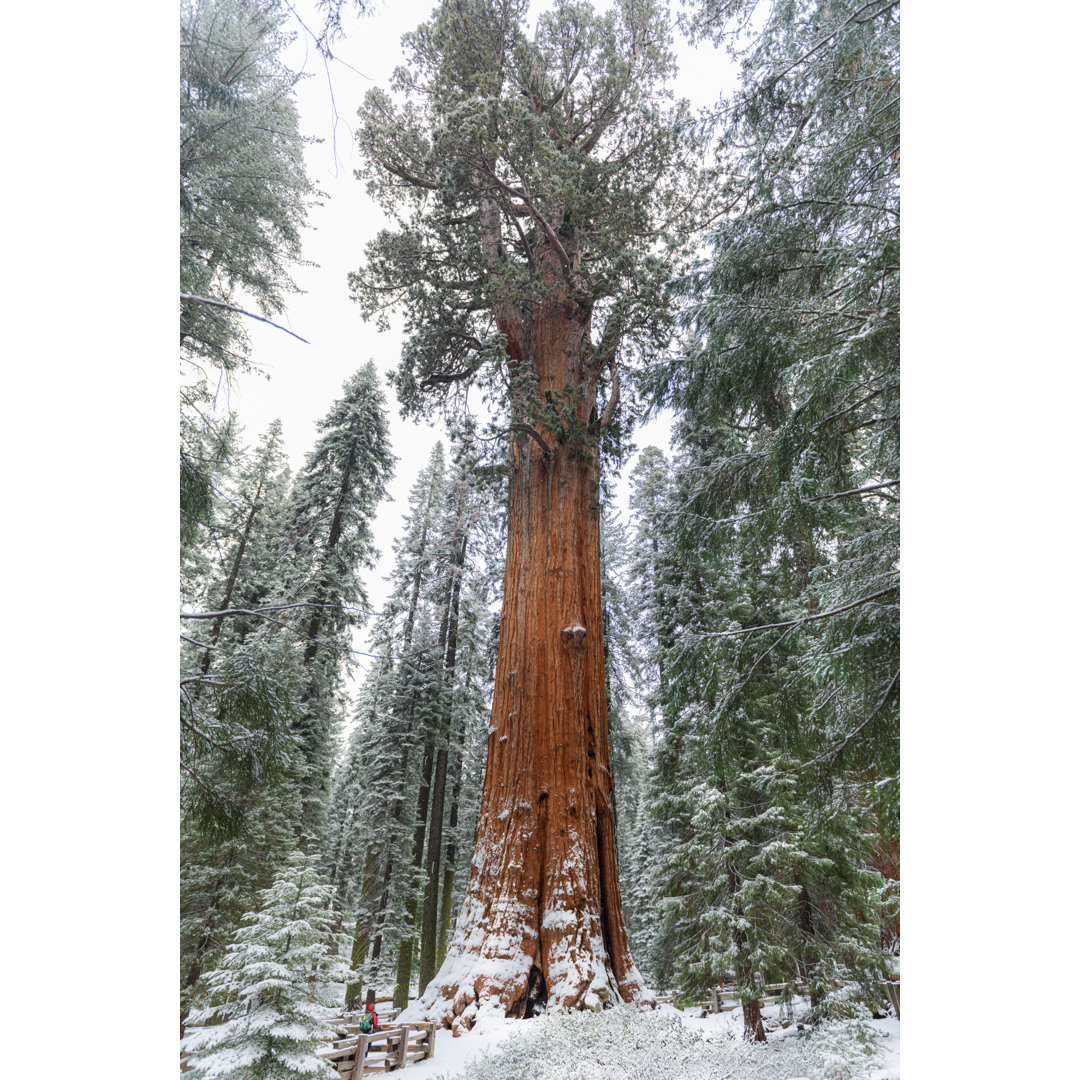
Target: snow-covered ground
[[661, 1044]]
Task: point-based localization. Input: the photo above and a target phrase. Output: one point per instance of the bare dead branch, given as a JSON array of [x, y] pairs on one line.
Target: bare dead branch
[[191, 298]]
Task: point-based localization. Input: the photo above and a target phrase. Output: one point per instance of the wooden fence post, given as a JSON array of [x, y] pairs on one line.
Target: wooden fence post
[[362, 1042], [403, 1048]]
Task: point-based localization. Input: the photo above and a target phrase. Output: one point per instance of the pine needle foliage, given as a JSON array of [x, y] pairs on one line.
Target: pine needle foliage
[[244, 197], [236, 692], [420, 716], [327, 543], [761, 870], [791, 386], [276, 984]]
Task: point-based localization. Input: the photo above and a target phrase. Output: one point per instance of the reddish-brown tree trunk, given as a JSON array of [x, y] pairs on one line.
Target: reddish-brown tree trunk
[[542, 920]]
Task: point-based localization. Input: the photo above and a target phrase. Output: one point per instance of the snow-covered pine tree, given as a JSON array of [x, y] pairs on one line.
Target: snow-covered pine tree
[[626, 731], [790, 412], [244, 196], [328, 543], [795, 322], [389, 739], [363, 833], [415, 741], [463, 515], [221, 877], [652, 613], [235, 672], [756, 881], [267, 1001], [238, 683]]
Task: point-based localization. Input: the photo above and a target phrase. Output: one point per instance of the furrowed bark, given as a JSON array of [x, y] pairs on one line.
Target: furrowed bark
[[542, 920]]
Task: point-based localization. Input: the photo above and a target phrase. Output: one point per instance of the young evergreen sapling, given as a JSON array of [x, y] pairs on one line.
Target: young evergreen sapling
[[276, 985]]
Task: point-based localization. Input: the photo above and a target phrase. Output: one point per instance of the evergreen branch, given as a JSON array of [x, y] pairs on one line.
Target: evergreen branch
[[527, 429], [200, 644], [807, 618], [539, 218], [857, 491], [613, 401], [751, 514], [834, 750], [278, 607], [258, 613], [854, 18], [203, 681], [191, 298], [753, 667]]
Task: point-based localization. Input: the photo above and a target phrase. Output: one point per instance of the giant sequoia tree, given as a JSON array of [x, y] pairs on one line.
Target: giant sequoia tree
[[532, 241]]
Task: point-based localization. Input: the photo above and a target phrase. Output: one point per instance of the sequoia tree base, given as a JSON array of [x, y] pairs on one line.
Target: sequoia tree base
[[498, 975]]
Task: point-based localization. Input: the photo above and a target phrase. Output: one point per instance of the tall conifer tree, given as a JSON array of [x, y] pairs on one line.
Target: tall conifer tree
[[329, 540], [523, 177], [244, 197]]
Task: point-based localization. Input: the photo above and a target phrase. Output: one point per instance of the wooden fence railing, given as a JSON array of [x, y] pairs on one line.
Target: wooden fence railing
[[351, 1052], [396, 1046], [723, 999]]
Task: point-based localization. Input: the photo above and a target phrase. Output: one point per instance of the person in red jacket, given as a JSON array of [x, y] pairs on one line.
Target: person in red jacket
[[369, 1022]]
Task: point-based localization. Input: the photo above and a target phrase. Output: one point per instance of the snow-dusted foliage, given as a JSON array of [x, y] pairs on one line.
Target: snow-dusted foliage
[[272, 992], [760, 860], [411, 769], [244, 196], [643, 1044], [767, 551], [846, 1044]]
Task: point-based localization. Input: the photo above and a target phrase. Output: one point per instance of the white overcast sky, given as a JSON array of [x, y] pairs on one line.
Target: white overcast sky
[[304, 380]]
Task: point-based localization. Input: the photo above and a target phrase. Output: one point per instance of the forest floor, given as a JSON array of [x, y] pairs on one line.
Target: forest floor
[[661, 1044]]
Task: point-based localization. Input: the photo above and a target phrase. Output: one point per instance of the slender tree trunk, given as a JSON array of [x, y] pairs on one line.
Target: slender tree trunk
[[399, 804], [408, 936], [446, 902], [311, 729], [753, 1028], [363, 928], [428, 924], [230, 584], [379, 921], [806, 927], [542, 919]]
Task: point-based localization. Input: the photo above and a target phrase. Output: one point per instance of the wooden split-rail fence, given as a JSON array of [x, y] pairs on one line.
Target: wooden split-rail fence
[[723, 999], [353, 1053]]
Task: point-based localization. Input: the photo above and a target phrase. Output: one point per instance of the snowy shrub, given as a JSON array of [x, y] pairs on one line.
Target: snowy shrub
[[847, 1046], [627, 1043]]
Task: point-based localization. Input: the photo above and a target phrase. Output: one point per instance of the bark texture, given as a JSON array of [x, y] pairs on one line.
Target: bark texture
[[542, 920]]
